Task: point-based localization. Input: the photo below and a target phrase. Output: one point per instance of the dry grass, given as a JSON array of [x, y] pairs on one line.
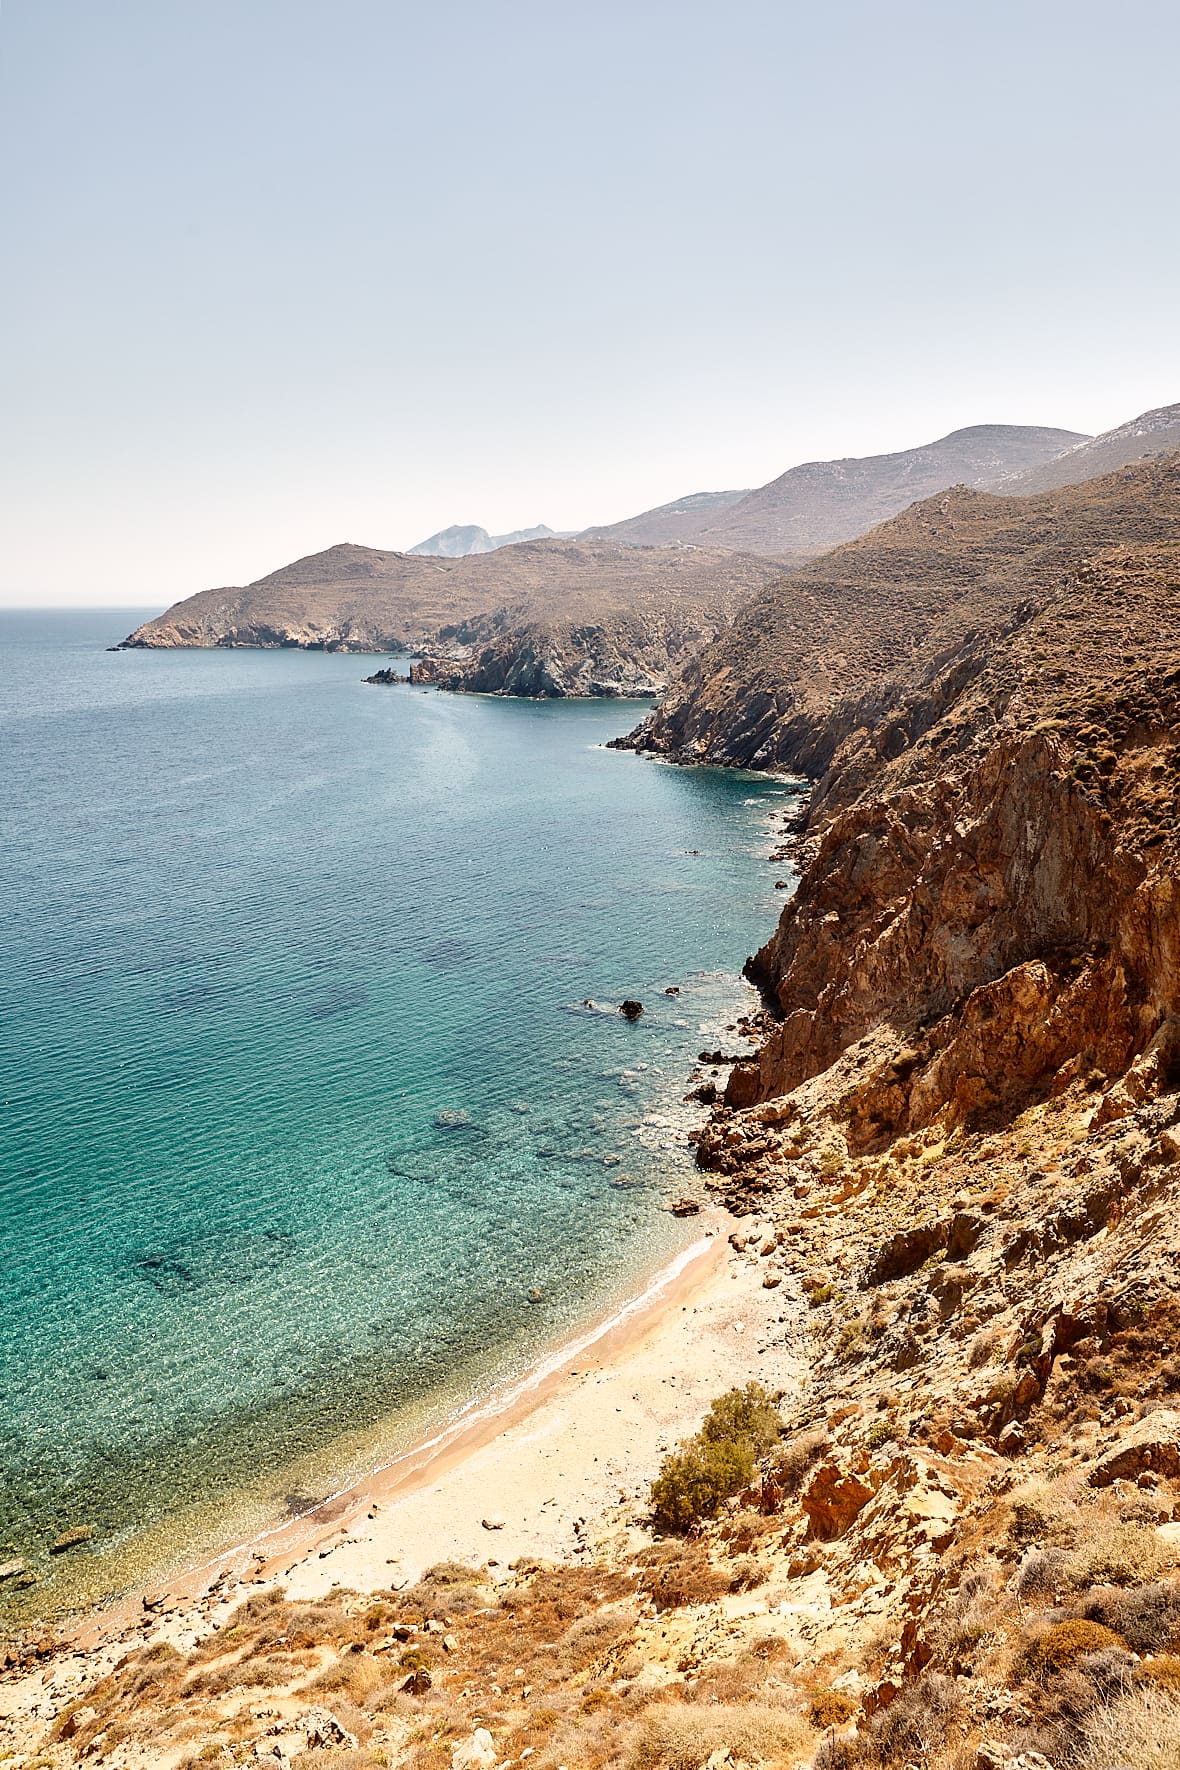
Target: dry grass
[[830, 1708], [1114, 1554], [679, 1574], [1141, 1730], [679, 1736], [1146, 1616]]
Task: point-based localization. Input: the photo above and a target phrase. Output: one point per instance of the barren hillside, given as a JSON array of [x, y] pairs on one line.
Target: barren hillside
[[1150, 434], [560, 616], [821, 503]]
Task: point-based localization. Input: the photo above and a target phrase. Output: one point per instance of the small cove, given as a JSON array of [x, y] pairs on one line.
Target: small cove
[[307, 1136]]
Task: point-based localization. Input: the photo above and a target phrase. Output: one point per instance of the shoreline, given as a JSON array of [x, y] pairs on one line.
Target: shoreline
[[615, 1395]]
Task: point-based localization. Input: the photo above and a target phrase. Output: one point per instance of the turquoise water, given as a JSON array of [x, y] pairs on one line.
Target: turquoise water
[[298, 1100]]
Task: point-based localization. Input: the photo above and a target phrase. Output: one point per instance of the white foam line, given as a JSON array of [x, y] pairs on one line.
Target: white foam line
[[499, 1401]]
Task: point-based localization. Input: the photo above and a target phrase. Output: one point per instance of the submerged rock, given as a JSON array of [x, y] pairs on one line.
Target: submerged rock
[[70, 1539]]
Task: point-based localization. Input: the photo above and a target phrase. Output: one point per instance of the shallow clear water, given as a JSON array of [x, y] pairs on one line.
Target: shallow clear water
[[298, 1102]]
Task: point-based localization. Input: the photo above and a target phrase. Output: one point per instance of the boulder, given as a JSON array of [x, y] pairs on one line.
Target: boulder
[[1151, 1443], [832, 1499], [630, 1010], [476, 1753], [904, 1252], [323, 1730], [744, 1085]]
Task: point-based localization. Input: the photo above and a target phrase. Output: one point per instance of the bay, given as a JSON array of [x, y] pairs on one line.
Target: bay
[[305, 1132]]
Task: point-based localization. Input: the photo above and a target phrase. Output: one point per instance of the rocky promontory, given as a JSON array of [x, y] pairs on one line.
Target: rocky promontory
[[540, 618]]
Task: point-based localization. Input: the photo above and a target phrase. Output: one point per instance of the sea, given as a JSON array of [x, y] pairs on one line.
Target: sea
[[318, 1121]]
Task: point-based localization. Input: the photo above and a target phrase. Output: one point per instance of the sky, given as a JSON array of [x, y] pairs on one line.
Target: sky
[[283, 273]]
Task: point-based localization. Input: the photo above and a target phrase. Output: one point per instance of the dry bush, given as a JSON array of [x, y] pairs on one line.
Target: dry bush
[[1147, 1616], [792, 1460], [457, 1592], [259, 1624], [735, 1680], [677, 1574], [157, 1670], [1041, 1572], [453, 1573], [1163, 1670], [1111, 1671], [1141, 1729], [1051, 1650], [969, 1618], [353, 1720], [838, 1754], [543, 1609], [916, 1723], [591, 1636], [749, 1573], [574, 1741], [678, 1736], [1112, 1553], [251, 1673], [831, 1708], [746, 1528], [1040, 1514], [985, 1348], [359, 1759], [356, 1676]]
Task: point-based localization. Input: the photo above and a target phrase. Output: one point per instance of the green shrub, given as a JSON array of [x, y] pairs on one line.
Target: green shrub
[[696, 1480], [748, 1414]]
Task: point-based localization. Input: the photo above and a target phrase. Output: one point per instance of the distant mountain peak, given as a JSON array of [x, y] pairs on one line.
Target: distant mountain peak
[[463, 539]]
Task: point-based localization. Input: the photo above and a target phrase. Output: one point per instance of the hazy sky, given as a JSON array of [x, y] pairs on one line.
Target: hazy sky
[[279, 273]]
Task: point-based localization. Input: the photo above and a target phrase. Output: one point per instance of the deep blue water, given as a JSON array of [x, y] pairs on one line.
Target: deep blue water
[[298, 1102]]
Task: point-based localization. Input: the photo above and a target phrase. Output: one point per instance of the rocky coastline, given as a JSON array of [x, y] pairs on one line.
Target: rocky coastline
[[953, 1162]]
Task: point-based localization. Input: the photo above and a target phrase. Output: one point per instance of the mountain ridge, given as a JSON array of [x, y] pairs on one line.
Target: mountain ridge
[[818, 505], [1150, 433]]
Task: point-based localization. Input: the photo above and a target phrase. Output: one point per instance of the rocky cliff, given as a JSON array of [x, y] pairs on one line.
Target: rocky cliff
[[955, 1164], [985, 694]]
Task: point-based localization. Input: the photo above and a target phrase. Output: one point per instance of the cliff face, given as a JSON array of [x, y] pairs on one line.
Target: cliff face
[[986, 694], [622, 654]]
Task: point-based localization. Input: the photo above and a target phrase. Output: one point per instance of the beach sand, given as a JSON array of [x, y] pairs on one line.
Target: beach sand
[[558, 1465]]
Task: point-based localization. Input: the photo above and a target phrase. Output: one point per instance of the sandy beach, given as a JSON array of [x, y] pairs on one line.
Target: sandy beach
[[555, 1466]]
